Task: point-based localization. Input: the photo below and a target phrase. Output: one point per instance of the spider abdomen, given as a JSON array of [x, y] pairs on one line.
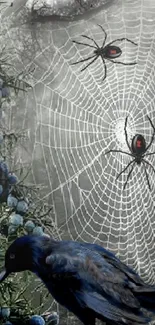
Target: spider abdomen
[[138, 144], [111, 52]]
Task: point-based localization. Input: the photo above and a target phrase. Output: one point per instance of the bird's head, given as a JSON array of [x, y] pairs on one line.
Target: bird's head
[[23, 254]]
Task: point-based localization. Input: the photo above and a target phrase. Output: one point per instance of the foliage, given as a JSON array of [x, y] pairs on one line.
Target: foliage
[[22, 211]]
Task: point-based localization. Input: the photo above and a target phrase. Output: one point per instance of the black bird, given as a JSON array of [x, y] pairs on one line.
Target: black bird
[[85, 278]]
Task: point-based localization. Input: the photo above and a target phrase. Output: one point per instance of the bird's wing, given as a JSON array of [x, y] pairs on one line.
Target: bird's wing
[[113, 314], [95, 289], [99, 275], [111, 259]]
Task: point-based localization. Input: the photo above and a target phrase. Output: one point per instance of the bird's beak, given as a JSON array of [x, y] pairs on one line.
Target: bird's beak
[[3, 275]]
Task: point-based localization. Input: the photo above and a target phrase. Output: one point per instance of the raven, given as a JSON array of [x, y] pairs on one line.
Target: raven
[[87, 279]]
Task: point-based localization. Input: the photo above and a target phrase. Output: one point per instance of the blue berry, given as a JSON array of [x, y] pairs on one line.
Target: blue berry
[[1, 189], [53, 319], [37, 320], [29, 226], [12, 178], [11, 229], [38, 231], [5, 92], [5, 312], [11, 201], [46, 235], [22, 206], [16, 220], [1, 83], [4, 167]]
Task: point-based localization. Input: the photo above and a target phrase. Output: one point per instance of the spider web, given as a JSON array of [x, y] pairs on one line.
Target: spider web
[[73, 118]]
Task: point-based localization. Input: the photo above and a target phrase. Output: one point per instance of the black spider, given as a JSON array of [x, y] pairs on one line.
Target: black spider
[[138, 151], [107, 52]]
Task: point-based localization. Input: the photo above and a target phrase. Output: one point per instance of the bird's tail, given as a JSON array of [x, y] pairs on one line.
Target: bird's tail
[[146, 297]]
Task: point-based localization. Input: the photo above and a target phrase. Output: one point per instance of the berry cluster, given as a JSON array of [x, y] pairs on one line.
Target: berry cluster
[[18, 206], [7, 180], [52, 319]]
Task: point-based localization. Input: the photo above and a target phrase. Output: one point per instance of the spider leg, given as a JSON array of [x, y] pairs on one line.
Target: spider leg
[[123, 63], [127, 153], [89, 64], [152, 138], [83, 60], [128, 176], [126, 135], [104, 34], [76, 42], [122, 39], [151, 122], [146, 176], [150, 154], [130, 163], [149, 164], [90, 38], [105, 68]]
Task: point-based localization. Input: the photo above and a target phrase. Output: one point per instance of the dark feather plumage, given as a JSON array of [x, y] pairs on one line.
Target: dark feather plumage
[[85, 278]]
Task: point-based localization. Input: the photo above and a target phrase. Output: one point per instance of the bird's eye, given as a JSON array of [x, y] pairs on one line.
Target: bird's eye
[[12, 256]]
